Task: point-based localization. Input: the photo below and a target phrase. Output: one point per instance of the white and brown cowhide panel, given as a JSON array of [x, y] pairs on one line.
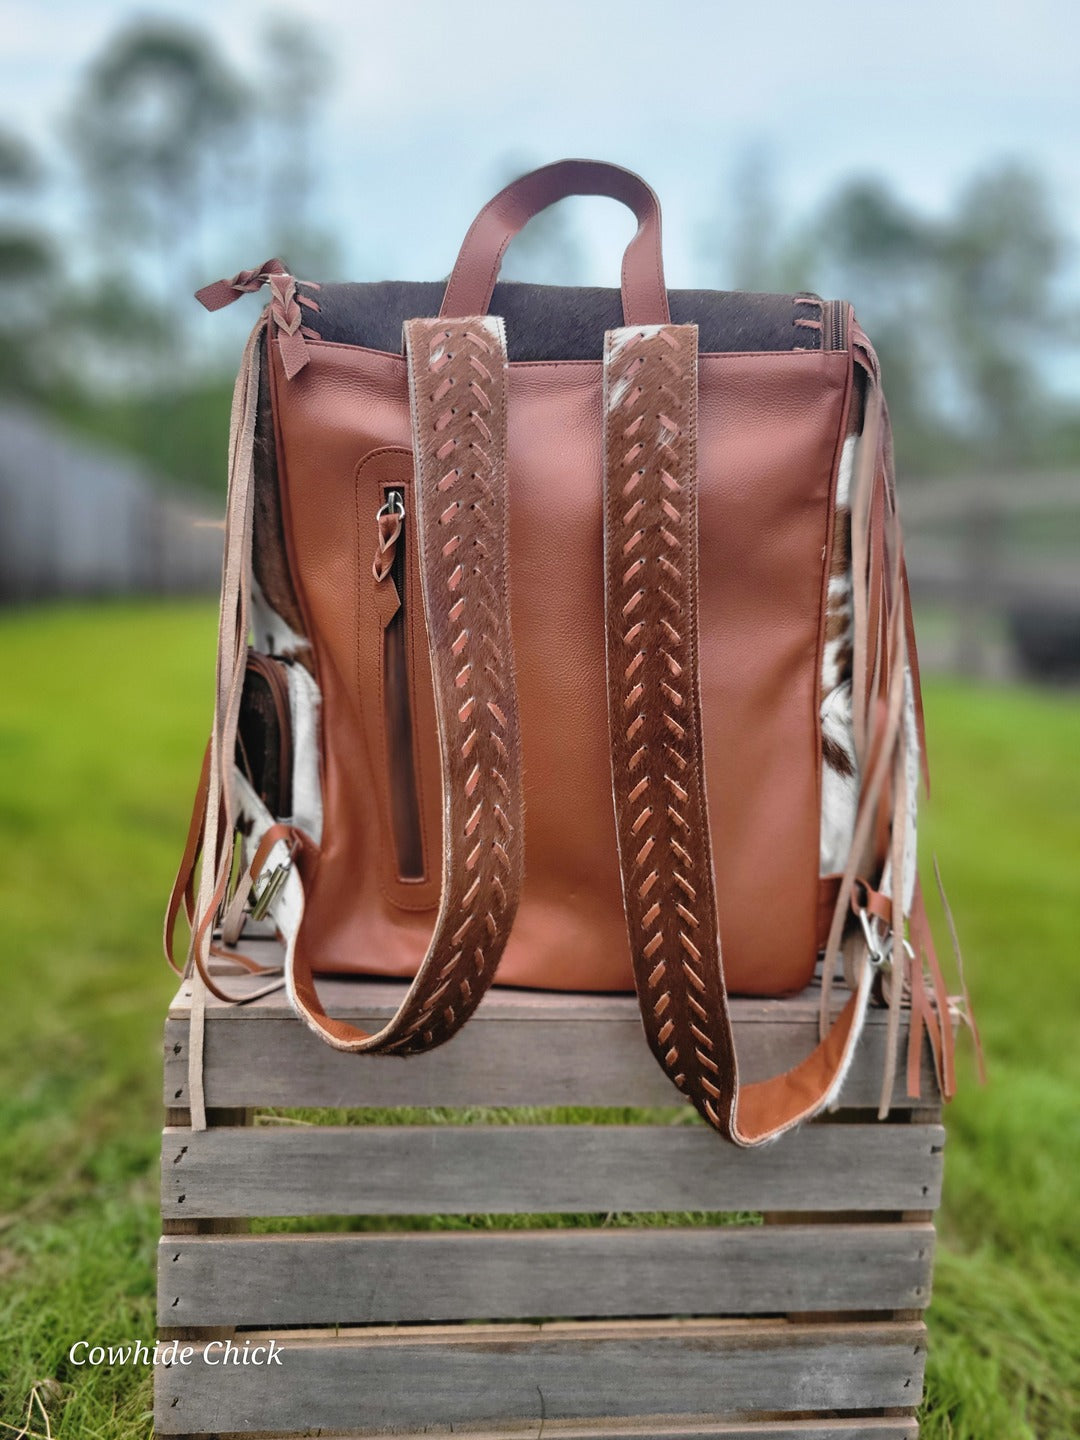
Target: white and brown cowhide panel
[[911, 782], [839, 768], [839, 765], [272, 634], [304, 704]]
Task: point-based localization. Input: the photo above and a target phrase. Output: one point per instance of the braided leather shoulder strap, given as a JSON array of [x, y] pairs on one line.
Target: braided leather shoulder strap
[[457, 383], [654, 711]]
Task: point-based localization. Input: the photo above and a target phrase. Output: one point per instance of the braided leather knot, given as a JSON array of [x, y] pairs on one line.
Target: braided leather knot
[[286, 307], [389, 527], [246, 282], [284, 310]]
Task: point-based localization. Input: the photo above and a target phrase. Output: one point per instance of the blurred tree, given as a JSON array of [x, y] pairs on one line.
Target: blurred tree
[[749, 243], [157, 119], [1001, 255], [879, 253], [963, 311], [296, 74], [27, 267], [753, 222]]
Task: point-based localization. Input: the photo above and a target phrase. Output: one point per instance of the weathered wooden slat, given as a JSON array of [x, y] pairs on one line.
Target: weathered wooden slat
[[658, 1428], [601, 1061], [582, 1050], [353, 997], [520, 1274], [486, 1374], [433, 1169]]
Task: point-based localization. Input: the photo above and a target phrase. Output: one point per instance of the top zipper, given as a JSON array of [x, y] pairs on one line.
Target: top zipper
[[834, 315]]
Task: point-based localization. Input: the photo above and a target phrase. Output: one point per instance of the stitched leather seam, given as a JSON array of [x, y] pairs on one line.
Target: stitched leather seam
[[597, 364]]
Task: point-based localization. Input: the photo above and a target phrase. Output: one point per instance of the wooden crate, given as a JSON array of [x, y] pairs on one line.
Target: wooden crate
[[805, 1326]]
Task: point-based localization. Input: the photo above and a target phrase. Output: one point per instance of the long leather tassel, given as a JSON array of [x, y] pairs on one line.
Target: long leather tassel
[[233, 623], [877, 665], [861, 486], [883, 662], [965, 1014], [870, 798], [215, 797], [898, 972], [917, 1025], [931, 1002], [943, 1016], [862, 580]]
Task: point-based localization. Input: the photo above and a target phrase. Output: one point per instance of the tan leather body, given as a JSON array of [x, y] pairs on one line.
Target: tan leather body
[[769, 430]]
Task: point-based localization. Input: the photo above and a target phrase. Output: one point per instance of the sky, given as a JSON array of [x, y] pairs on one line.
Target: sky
[[426, 99]]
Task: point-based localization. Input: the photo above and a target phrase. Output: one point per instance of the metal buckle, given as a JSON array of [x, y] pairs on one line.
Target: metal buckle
[[264, 896]]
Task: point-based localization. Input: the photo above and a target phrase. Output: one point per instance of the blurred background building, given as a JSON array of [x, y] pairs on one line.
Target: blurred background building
[[141, 156]]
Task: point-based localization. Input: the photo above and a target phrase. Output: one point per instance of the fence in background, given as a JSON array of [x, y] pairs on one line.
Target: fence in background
[[997, 558], [78, 520], [994, 560]]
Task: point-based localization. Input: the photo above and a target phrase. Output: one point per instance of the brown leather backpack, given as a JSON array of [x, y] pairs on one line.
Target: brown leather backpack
[[580, 650]]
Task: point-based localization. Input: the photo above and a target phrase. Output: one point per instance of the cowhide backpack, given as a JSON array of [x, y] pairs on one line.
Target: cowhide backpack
[[568, 649]]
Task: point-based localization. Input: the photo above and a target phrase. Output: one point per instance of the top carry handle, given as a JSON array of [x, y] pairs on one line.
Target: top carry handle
[[644, 294]]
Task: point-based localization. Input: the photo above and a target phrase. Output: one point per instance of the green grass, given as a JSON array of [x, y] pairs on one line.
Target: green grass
[[101, 723]]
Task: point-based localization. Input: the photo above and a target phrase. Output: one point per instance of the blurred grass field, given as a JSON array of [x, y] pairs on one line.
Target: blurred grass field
[[102, 719]]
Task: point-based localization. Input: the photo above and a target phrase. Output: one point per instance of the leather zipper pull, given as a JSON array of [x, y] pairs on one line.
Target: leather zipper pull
[[389, 520]]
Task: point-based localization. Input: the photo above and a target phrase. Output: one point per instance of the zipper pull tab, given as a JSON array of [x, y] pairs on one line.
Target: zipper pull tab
[[389, 520]]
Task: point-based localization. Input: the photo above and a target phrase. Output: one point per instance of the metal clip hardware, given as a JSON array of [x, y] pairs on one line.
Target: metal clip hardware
[[394, 505], [880, 942], [264, 895]]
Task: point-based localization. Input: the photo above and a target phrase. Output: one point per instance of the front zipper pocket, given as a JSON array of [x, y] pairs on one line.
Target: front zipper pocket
[[393, 604], [264, 747]]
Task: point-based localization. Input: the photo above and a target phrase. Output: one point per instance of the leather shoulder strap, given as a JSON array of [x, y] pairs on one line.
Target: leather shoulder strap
[[654, 708], [457, 383]]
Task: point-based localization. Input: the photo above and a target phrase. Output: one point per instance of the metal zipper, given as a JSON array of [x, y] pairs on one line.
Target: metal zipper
[[400, 761], [834, 325]]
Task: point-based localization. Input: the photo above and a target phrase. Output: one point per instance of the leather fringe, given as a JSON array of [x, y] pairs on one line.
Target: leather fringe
[[213, 822], [885, 665]]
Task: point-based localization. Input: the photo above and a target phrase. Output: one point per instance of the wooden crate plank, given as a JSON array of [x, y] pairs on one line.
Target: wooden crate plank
[[588, 1051], [502, 1169], [513, 1061], [378, 1278], [661, 1427], [353, 997], [482, 1375]]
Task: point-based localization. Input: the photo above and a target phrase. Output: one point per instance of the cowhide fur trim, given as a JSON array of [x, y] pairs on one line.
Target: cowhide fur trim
[[272, 634], [253, 820], [252, 816], [304, 704], [839, 767], [911, 781]]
